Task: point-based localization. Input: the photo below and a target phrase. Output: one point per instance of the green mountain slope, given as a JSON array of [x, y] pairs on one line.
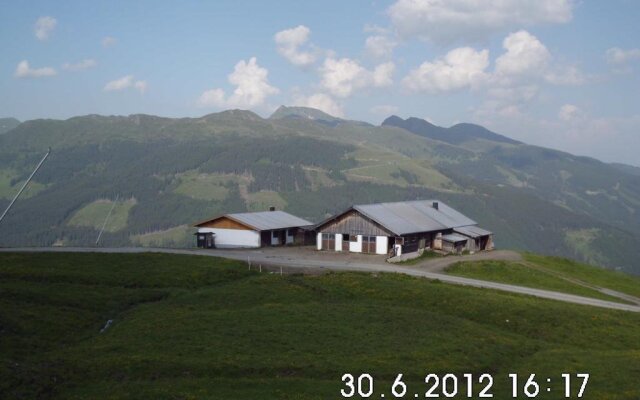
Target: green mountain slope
[[178, 171], [456, 134], [302, 112], [7, 124], [629, 169]]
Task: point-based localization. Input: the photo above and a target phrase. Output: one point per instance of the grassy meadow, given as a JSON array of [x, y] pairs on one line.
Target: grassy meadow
[[189, 327], [551, 273]]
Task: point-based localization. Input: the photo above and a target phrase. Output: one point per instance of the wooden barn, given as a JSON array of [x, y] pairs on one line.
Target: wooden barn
[[253, 229], [402, 227]]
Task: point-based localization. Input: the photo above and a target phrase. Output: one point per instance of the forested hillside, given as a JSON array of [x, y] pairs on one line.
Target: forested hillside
[[7, 124], [161, 175]]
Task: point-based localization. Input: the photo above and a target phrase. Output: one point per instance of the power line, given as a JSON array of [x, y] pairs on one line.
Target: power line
[[107, 219], [25, 184]]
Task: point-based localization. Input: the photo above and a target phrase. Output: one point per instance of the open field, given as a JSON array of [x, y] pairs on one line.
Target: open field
[[261, 201], [93, 215], [214, 187], [516, 273], [9, 185], [178, 236], [625, 283], [207, 328]]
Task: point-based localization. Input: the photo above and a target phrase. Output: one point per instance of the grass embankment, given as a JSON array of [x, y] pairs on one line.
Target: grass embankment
[[551, 273], [426, 255], [204, 328], [590, 274]]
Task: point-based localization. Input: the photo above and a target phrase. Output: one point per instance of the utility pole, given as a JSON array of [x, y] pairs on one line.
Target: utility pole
[[25, 184]]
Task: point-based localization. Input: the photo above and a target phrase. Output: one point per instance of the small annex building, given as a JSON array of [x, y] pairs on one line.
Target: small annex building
[[402, 227], [252, 230]]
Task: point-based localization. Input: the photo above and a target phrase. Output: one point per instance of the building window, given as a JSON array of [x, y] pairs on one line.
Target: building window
[[328, 236], [400, 241], [345, 237]]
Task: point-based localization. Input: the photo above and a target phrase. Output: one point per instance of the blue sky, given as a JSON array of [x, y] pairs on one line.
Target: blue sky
[[556, 73]]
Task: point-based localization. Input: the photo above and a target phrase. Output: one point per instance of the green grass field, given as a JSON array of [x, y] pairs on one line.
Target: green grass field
[[207, 186], [261, 201], [8, 191], [384, 173], [597, 276], [187, 327], [93, 215], [520, 274], [178, 236]]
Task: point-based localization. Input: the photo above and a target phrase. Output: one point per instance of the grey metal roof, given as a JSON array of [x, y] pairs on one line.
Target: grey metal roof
[[414, 216], [267, 220], [472, 231], [453, 238]]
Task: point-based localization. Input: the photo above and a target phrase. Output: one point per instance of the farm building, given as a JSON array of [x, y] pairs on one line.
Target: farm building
[[253, 229], [402, 227]]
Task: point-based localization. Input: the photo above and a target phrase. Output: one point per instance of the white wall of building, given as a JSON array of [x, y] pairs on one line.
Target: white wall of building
[[356, 247], [290, 236], [275, 239], [382, 243], [227, 238]]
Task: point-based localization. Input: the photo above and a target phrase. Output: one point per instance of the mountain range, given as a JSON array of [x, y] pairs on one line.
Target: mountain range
[[156, 176]]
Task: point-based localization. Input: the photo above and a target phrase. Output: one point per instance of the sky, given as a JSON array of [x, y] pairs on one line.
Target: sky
[[556, 73]]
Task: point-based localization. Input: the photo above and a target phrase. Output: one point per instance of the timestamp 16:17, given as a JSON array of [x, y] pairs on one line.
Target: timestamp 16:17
[[363, 386], [531, 387]]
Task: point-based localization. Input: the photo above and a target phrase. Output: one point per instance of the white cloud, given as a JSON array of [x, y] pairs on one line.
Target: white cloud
[[448, 21], [526, 58], [570, 112], [384, 110], [525, 55], [380, 46], [341, 77], [322, 102], [80, 65], [23, 70], [571, 76], [212, 97], [460, 68], [119, 84], [289, 42], [620, 59], [377, 29], [616, 55], [44, 26], [125, 82], [383, 74], [109, 41], [252, 88]]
